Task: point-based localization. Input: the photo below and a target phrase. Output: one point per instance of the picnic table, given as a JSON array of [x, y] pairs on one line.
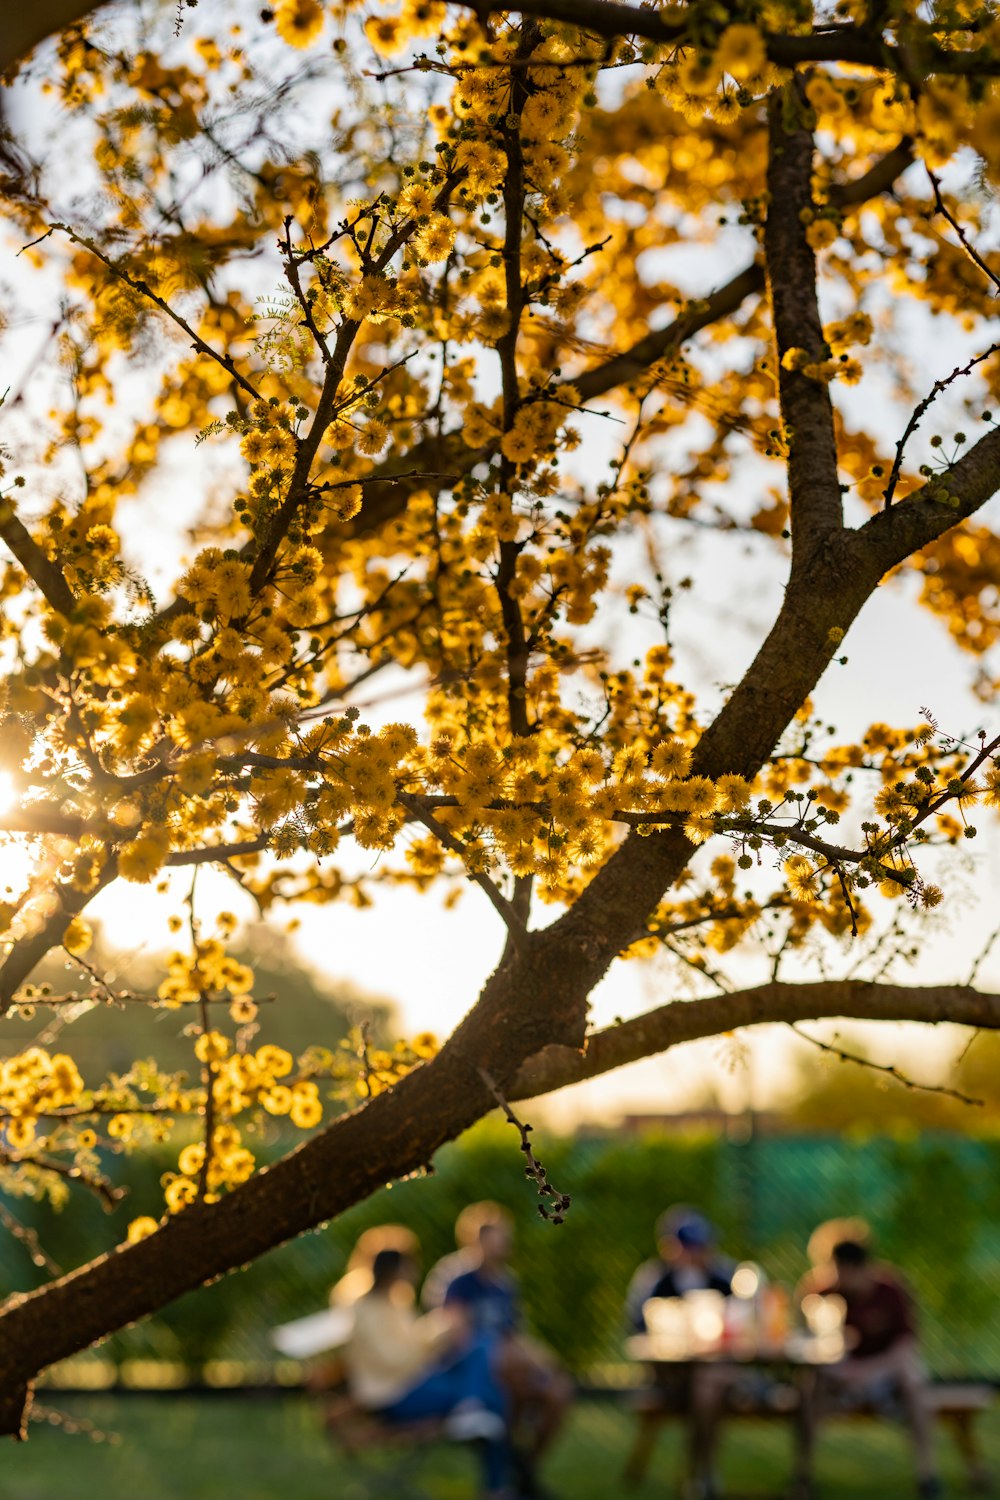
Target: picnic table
[[789, 1366], [784, 1364]]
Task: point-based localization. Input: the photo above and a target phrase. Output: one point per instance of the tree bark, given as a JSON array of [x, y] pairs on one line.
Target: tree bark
[[806, 409], [24, 26], [685, 1021]]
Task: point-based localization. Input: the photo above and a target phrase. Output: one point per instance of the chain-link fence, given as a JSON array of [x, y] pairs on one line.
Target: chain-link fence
[[933, 1203]]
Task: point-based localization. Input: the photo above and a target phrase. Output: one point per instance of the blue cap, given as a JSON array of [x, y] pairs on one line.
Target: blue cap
[[687, 1226]]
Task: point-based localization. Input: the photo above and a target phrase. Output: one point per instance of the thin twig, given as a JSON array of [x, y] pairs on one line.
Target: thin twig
[[979, 960], [983, 954], [552, 1204], [888, 1069], [920, 409], [145, 290], [75, 1426], [364, 1055], [90, 1111], [208, 1066], [343, 484], [104, 1189], [120, 997], [28, 1237], [967, 245], [514, 925]]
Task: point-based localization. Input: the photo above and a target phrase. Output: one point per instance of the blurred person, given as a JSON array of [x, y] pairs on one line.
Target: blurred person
[[687, 1261], [357, 1277], [326, 1333], [477, 1280], [882, 1366], [406, 1367], [824, 1238], [463, 1257]]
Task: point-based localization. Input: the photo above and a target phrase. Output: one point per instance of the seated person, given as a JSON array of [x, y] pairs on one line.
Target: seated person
[[688, 1262], [357, 1277], [326, 1334], [882, 1364], [407, 1368], [477, 1280], [463, 1258]]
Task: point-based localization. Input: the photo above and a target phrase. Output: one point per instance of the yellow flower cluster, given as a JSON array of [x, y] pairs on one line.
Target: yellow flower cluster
[[381, 1068], [534, 431], [700, 80], [230, 1164], [34, 1083], [209, 970], [838, 367]]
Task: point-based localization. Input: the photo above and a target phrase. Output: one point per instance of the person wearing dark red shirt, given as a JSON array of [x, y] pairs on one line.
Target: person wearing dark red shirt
[[882, 1366]]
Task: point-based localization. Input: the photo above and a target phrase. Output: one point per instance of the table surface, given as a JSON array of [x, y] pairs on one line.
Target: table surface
[[797, 1349]]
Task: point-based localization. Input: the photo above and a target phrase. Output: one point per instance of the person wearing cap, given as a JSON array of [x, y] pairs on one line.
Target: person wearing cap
[[688, 1262]]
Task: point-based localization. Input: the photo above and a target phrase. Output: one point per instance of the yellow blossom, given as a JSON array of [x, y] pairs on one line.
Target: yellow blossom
[[78, 936], [141, 1229], [821, 234], [671, 758], [299, 22], [434, 239], [741, 52]]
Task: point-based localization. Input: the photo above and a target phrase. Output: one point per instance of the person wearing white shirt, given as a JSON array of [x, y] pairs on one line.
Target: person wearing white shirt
[[409, 1367]]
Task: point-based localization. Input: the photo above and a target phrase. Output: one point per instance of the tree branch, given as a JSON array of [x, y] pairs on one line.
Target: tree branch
[[45, 574], [30, 950], [847, 43], [688, 1020], [806, 408], [450, 452], [24, 26], [215, 853]]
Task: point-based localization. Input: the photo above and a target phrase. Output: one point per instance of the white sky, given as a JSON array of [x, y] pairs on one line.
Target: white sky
[[432, 962]]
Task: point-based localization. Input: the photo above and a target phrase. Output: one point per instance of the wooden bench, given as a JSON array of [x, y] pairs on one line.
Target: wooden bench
[[958, 1407]]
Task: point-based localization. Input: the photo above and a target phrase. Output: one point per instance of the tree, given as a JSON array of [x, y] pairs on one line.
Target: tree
[[471, 244]]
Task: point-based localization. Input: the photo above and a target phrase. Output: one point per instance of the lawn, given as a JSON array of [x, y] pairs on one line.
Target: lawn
[[179, 1447]]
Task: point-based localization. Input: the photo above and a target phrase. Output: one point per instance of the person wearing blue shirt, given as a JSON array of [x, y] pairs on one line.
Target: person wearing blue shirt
[[477, 1280], [487, 1294]]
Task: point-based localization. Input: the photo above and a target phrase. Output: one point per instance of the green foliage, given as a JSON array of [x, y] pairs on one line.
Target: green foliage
[[933, 1202], [296, 1006]]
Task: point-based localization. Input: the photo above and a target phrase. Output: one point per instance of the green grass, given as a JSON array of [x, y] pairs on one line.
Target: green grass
[[273, 1448]]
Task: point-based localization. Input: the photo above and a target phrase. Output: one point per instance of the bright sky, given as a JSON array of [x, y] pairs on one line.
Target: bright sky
[[432, 961]]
